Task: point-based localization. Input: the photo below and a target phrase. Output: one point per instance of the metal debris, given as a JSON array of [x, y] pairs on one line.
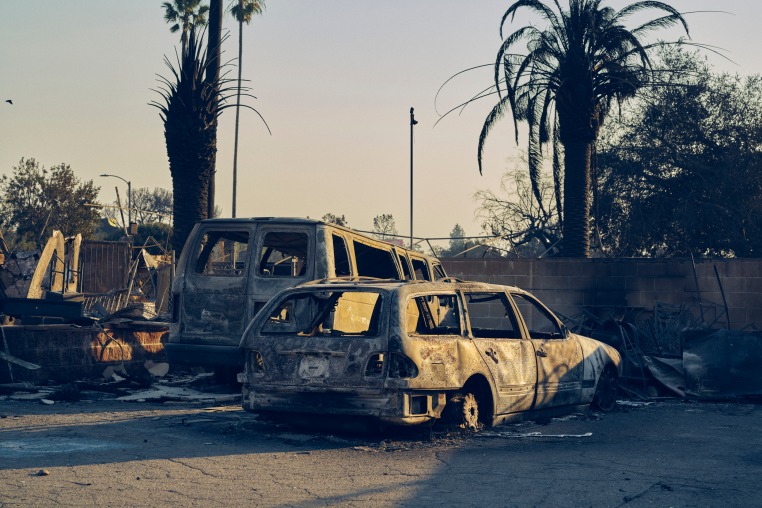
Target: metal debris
[[531, 435]]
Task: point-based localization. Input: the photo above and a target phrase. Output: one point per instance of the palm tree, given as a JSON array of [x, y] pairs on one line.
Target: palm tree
[[185, 14], [242, 11], [189, 108], [564, 86]]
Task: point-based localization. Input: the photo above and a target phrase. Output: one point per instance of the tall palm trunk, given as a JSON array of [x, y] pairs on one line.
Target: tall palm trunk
[[213, 78], [237, 108], [579, 120], [576, 224]]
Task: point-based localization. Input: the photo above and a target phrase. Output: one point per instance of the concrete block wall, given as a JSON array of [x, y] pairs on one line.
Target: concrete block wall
[[569, 285]]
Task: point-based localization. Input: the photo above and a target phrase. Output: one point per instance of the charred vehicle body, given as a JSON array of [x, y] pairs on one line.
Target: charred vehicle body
[[407, 353], [229, 268]]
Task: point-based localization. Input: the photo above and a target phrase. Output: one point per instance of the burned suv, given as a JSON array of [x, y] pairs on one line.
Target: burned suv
[[412, 352]]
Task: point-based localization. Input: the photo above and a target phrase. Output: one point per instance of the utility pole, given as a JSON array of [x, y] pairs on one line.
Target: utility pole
[[413, 121]]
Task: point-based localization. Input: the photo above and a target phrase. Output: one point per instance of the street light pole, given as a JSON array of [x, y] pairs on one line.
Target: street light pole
[[413, 121], [129, 198]]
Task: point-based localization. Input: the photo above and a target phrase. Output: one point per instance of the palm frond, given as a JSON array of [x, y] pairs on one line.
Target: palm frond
[[494, 115]]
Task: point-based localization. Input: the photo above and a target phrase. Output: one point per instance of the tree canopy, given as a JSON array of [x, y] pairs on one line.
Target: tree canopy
[[384, 226], [332, 218], [681, 172], [183, 16], [34, 201]]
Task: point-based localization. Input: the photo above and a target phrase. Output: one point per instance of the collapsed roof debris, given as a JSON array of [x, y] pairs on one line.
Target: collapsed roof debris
[[679, 351]]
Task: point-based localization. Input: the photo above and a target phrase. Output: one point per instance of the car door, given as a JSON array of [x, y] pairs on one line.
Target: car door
[[216, 281], [559, 355], [509, 356]]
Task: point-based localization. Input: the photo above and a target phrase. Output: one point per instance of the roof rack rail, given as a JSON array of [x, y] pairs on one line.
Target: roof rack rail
[[339, 280], [450, 279]]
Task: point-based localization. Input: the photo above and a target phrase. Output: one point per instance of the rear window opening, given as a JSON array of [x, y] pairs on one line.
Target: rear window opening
[[222, 253], [374, 262], [283, 254], [334, 314]]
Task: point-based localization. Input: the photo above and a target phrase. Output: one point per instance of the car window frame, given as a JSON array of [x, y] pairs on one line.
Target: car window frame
[[458, 302], [517, 318], [546, 310]]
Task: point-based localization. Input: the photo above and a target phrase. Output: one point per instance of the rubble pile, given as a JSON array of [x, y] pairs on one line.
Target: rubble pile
[[678, 351]]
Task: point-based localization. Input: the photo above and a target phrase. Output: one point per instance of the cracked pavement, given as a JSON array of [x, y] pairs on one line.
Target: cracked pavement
[[116, 453]]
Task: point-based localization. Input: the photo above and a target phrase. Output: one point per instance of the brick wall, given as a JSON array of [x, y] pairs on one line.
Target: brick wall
[[67, 353], [569, 285]]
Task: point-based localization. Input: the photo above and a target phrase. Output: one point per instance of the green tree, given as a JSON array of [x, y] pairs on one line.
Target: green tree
[[243, 11], [35, 201], [681, 172], [564, 86], [184, 14], [384, 226]]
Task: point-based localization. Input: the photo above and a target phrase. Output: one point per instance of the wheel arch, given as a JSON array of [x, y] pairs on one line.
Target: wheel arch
[[480, 386]]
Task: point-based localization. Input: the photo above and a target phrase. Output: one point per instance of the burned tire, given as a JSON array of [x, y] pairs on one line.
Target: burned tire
[[463, 411], [606, 390]]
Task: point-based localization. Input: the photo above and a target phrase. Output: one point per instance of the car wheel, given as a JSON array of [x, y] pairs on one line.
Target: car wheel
[[605, 393], [464, 411]]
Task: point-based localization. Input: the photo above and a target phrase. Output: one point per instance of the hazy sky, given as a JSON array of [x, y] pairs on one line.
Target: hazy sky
[[334, 79]]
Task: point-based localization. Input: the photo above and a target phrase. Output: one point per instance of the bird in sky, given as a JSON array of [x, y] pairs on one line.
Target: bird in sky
[[9, 102]]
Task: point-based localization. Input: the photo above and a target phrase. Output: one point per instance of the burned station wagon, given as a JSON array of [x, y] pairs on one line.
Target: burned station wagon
[[411, 352]]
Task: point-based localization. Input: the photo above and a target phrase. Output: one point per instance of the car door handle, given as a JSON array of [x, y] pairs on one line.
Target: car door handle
[[492, 354], [542, 353]]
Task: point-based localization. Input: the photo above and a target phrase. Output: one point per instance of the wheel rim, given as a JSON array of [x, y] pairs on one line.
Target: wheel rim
[[470, 412]]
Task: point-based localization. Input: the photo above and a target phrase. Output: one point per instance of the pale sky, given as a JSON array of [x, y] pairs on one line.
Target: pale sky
[[334, 79]]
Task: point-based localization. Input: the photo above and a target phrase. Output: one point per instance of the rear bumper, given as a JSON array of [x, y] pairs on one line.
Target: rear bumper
[[391, 406], [204, 355]]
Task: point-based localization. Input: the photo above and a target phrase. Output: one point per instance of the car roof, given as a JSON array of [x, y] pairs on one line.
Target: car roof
[[402, 287], [308, 222], [288, 220]]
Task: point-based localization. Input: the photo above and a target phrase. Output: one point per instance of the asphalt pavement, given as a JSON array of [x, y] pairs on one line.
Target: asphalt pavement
[[190, 453]]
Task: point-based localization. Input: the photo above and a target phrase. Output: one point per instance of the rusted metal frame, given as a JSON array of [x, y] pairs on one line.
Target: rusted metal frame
[[7, 350], [724, 300], [698, 289], [54, 263]]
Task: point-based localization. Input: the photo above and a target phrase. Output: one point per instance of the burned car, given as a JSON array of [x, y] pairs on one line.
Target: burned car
[[411, 352]]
